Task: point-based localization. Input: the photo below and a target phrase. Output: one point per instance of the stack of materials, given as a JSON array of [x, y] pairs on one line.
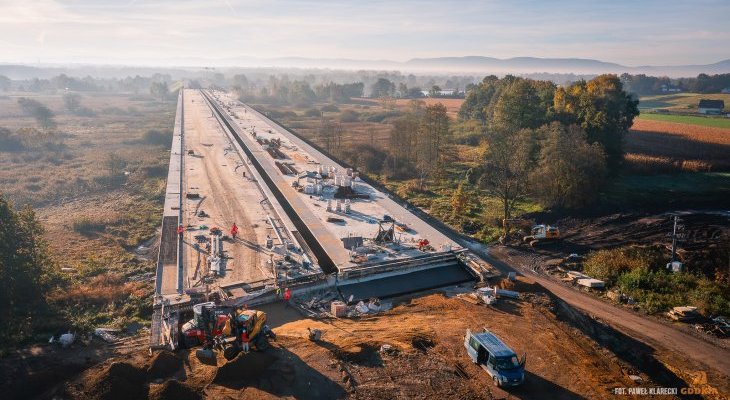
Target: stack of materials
[[339, 308], [591, 283], [684, 313]]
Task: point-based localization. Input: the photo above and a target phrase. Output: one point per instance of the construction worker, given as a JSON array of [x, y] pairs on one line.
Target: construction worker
[[234, 231], [180, 230], [287, 296], [244, 341]]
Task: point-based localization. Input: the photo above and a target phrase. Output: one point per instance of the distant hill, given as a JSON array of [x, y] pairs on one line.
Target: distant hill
[[474, 65], [558, 65]]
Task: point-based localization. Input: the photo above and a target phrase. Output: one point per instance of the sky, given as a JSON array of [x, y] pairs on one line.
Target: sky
[[219, 32]]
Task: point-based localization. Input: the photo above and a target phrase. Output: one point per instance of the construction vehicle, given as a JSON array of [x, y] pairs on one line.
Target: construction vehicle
[[500, 362], [222, 328], [542, 233]]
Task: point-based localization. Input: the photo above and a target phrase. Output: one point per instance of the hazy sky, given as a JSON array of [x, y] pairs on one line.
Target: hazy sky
[[204, 31]]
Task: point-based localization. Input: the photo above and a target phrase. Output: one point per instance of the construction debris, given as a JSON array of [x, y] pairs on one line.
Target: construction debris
[[591, 283], [106, 334], [684, 314]]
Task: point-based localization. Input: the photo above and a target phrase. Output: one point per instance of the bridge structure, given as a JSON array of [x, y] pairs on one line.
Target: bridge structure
[[306, 221]]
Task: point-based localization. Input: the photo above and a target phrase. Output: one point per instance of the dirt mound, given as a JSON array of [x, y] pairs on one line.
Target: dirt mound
[[119, 380], [521, 286], [163, 365], [174, 389], [243, 368]]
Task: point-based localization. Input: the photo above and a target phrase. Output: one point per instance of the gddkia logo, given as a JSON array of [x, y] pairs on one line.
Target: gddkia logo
[[699, 384], [698, 378]]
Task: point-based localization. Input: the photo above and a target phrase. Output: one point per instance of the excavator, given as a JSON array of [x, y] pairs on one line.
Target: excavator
[[542, 233], [223, 329]]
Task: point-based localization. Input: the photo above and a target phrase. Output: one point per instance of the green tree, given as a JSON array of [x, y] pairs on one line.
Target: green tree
[[507, 165], [160, 90], [570, 171], [459, 201], [42, 114], [435, 91], [433, 137], [521, 104], [602, 108], [26, 271], [382, 88]]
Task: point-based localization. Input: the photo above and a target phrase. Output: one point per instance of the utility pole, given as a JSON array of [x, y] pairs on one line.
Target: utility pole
[[674, 240], [674, 265]]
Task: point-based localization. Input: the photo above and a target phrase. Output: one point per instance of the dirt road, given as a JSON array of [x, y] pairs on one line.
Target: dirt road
[[654, 333]]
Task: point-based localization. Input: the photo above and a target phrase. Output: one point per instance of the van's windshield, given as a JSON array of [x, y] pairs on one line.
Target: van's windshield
[[505, 363]]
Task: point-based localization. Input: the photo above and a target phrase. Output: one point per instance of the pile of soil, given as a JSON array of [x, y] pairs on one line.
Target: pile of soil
[[244, 368], [118, 381], [174, 389], [163, 365]]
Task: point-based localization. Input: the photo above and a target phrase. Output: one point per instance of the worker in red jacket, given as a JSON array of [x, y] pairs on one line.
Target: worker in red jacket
[[287, 296], [180, 230], [234, 231], [244, 341]]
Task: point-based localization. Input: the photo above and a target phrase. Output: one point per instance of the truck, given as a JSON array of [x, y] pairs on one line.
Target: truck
[[501, 363]]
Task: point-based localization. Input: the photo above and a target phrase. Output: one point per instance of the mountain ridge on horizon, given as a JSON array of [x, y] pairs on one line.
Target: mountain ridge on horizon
[[449, 64]]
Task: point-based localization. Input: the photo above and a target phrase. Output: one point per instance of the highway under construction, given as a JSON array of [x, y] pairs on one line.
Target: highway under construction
[[252, 209]]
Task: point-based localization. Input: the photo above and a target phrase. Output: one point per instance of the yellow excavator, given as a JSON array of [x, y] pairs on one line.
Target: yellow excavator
[[220, 328]]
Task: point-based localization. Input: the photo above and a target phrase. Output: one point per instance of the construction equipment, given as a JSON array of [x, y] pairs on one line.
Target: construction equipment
[[223, 328], [542, 233], [386, 230]]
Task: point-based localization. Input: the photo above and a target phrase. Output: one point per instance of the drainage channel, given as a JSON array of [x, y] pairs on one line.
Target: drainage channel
[[323, 259]]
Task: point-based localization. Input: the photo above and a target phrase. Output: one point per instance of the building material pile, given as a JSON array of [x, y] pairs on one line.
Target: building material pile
[[684, 314]]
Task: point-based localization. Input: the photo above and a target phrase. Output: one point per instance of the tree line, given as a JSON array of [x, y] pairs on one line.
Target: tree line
[[557, 145], [649, 85]]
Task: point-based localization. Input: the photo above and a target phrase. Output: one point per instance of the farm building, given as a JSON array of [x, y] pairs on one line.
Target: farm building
[[714, 107]]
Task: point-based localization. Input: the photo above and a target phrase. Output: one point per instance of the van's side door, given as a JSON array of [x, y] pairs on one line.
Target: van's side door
[[472, 346]]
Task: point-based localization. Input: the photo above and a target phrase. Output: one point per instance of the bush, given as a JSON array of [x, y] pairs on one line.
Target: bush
[[10, 141], [349, 116], [330, 108], [156, 137], [608, 265], [640, 274], [312, 112], [381, 116], [87, 227]]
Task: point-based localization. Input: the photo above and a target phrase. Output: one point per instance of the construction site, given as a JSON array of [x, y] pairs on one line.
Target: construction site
[[254, 213], [285, 273]]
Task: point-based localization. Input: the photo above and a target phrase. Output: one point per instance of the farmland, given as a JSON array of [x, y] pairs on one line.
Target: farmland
[[713, 122], [700, 148], [679, 102]]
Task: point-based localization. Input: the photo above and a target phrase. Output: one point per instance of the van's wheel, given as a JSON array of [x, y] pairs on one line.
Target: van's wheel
[[496, 381]]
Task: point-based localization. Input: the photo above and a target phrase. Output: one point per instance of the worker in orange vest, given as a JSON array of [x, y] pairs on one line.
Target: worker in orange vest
[[234, 231]]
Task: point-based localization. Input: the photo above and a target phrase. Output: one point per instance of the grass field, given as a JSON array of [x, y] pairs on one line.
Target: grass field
[[679, 102], [95, 216], [715, 122]]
